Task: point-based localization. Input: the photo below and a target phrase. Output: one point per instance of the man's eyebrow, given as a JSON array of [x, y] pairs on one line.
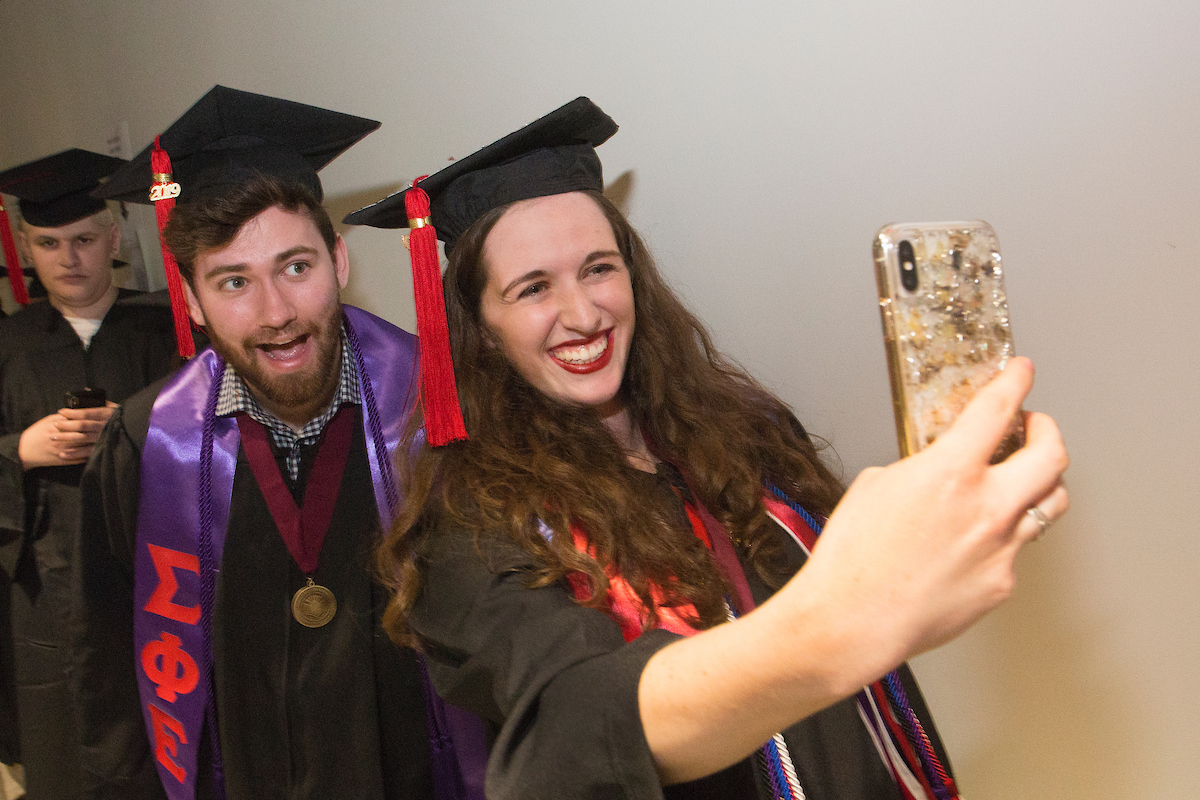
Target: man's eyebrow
[[291, 253], [224, 269]]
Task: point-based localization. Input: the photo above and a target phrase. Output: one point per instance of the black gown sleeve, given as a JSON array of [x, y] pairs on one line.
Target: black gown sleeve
[[558, 678], [117, 760], [562, 685], [12, 538], [12, 475], [12, 480]]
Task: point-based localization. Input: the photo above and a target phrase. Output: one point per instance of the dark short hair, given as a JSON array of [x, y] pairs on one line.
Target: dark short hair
[[214, 222]]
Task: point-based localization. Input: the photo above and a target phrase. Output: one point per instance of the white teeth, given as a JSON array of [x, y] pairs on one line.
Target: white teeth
[[583, 353], [281, 350]]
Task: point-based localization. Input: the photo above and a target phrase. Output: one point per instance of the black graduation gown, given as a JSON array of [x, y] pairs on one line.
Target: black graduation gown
[[559, 682], [41, 358], [304, 714]]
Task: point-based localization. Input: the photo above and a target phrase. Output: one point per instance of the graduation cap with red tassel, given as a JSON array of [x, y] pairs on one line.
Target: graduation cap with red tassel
[[224, 139], [52, 191], [163, 193], [553, 155]]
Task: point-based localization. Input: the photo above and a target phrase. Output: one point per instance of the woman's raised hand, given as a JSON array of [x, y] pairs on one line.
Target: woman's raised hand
[[913, 555], [918, 551]]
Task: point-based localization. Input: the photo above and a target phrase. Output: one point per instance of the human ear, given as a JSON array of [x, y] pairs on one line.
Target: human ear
[[341, 262], [23, 244], [193, 304]]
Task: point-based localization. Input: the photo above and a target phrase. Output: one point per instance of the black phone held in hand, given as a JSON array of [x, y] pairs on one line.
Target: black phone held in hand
[[86, 398]]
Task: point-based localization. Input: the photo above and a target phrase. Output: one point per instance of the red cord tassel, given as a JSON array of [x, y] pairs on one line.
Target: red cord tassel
[[15, 276], [439, 394], [163, 193]]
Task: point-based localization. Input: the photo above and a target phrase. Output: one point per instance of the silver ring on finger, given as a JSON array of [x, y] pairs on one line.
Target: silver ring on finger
[[1040, 518]]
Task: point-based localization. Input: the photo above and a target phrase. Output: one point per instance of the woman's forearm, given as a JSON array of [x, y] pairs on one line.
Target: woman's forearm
[[913, 555]]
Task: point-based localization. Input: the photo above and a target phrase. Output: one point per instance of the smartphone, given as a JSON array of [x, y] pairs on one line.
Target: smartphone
[[86, 398], [945, 324]]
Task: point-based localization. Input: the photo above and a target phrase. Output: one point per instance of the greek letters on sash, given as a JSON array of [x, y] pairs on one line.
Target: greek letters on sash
[[170, 656], [168, 735], [188, 464], [169, 667], [165, 663], [161, 601]]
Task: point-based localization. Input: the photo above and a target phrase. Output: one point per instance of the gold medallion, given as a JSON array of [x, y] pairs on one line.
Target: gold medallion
[[313, 605]]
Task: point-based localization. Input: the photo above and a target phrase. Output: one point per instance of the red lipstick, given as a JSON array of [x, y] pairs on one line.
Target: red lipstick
[[586, 367]]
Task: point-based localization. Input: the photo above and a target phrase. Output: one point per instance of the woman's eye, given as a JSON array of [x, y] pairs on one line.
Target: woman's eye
[[533, 289], [600, 269]]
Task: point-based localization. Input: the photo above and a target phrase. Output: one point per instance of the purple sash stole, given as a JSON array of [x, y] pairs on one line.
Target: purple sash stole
[[187, 471], [171, 648]]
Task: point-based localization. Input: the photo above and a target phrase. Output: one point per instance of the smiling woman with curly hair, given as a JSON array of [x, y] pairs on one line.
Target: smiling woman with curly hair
[[607, 567]]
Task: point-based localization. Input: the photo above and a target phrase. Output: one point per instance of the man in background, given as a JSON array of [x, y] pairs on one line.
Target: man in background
[[65, 362]]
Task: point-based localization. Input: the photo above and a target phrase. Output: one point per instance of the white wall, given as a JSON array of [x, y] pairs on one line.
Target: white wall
[[762, 144]]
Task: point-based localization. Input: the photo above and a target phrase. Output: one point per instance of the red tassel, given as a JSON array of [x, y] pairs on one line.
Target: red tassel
[[15, 276], [439, 394], [162, 194]]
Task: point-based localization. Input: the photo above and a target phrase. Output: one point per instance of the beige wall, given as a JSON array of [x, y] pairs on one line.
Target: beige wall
[[762, 144]]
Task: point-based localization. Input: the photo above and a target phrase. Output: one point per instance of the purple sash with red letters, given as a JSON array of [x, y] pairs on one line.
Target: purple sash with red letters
[[187, 471]]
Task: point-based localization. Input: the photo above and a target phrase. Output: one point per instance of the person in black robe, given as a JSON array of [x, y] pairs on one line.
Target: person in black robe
[[331, 712], [119, 347], [561, 681], [611, 552], [305, 706]]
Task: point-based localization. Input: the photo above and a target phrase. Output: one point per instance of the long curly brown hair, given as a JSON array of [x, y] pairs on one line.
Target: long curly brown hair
[[533, 463]]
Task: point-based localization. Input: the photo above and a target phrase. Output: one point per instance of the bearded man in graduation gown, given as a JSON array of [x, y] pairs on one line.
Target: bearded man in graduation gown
[[232, 644], [86, 334]]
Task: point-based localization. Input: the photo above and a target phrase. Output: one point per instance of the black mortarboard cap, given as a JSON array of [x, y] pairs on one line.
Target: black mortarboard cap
[[553, 155], [223, 140], [229, 135], [56, 190]]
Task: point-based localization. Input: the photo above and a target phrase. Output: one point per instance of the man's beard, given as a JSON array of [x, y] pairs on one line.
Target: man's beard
[[293, 390]]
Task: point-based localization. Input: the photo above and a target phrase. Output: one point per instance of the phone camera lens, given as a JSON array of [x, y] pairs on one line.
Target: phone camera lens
[[908, 266]]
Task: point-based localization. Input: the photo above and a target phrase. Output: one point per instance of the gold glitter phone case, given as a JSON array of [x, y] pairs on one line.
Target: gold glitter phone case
[[945, 324]]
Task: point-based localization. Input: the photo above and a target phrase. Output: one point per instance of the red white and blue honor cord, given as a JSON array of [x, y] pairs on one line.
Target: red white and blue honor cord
[[885, 710]]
